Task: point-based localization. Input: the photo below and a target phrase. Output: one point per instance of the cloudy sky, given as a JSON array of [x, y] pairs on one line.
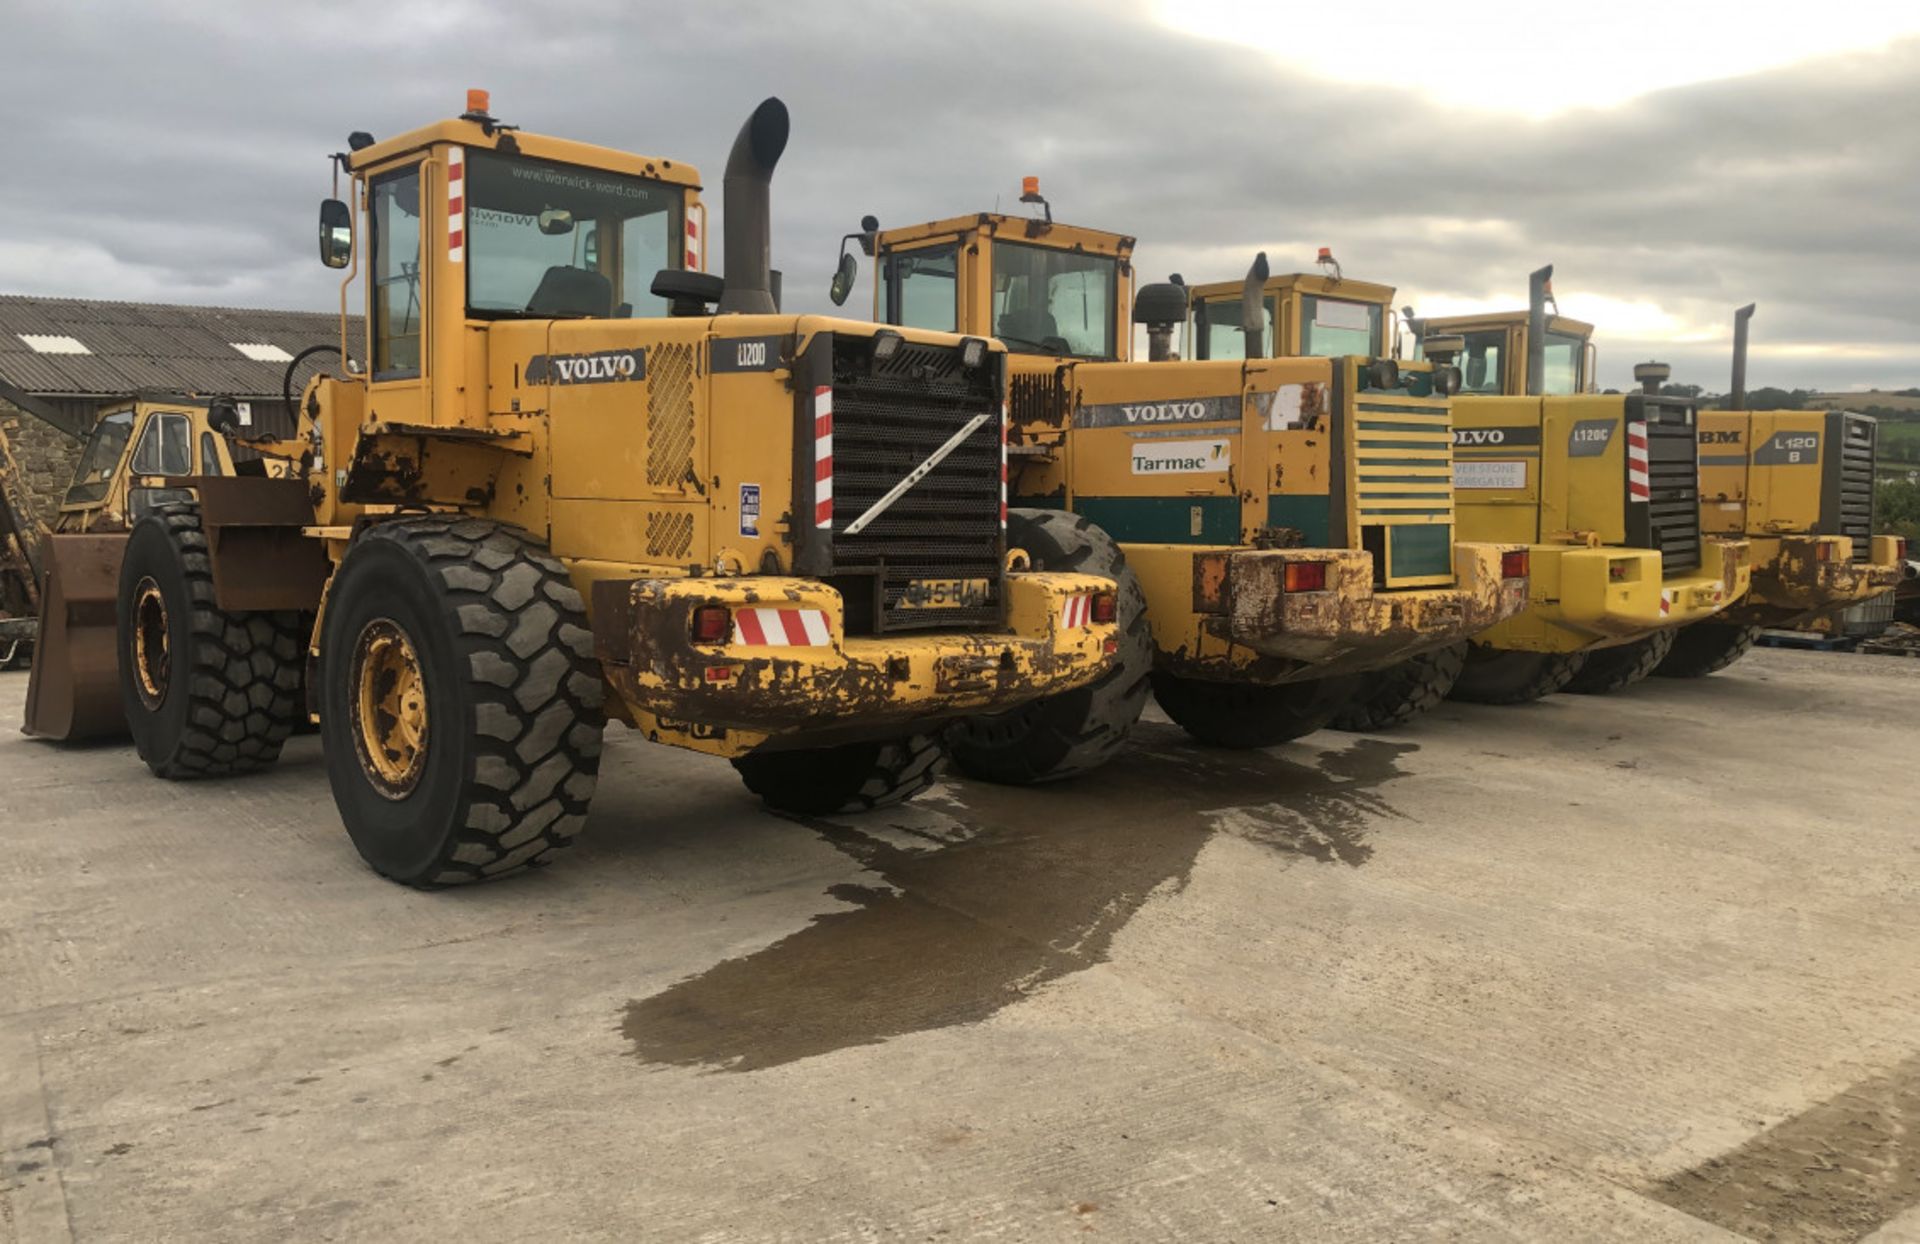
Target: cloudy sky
[[1671, 159]]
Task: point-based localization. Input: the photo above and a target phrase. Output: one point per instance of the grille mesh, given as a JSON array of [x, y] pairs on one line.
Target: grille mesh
[[1856, 483], [1673, 477], [1402, 485], [669, 533], [887, 418], [669, 415]]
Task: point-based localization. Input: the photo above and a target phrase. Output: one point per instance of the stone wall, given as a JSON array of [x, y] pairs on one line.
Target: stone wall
[[46, 457]]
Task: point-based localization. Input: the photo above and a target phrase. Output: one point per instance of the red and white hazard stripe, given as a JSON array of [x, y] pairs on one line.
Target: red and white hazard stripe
[[1076, 611], [777, 628], [1003, 466], [1638, 485], [693, 245], [456, 204], [1666, 601], [823, 457]]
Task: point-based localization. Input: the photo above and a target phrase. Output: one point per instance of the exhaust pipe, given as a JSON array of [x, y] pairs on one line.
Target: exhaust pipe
[[1252, 297], [1737, 394], [748, 239], [1537, 285], [1651, 376]]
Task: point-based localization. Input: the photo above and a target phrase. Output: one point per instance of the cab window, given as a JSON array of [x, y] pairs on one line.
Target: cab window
[[562, 241], [209, 455], [1332, 327], [104, 450], [165, 448], [396, 275], [1217, 332], [1562, 365], [1481, 363], [1049, 301], [923, 288]]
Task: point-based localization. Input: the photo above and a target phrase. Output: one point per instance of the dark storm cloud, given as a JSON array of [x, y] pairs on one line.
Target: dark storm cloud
[[177, 153]]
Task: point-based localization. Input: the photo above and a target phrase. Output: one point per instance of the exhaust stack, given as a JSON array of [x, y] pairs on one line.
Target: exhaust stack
[[1252, 297], [748, 238], [1651, 376], [1539, 286], [1737, 394]]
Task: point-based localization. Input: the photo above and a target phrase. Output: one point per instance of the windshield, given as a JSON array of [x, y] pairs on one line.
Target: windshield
[[1562, 371], [1332, 327], [1217, 331], [923, 288], [1054, 302], [548, 240], [104, 450], [1480, 365]]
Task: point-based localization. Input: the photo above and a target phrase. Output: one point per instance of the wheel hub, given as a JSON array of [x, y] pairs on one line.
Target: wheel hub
[[151, 663], [389, 708]]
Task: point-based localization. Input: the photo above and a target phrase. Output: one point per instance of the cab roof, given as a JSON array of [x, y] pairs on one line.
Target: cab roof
[[1507, 319], [1307, 283], [1018, 228], [472, 134]]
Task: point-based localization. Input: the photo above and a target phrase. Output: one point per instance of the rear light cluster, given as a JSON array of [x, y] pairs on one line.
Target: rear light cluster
[[1617, 572], [1823, 552], [1513, 565], [1305, 577], [1106, 607], [712, 624], [1900, 549]]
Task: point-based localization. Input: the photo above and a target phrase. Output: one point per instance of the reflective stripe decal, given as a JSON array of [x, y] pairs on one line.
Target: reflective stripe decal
[[1003, 465], [693, 245], [772, 628], [1638, 488], [1076, 611], [823, 457], [456, 204]]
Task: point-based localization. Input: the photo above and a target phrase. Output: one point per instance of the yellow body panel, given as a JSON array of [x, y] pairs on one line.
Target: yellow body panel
[[1508, 329], [1597, 597]]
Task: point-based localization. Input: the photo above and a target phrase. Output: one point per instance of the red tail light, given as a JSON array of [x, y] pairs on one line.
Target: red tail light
[[1823, 552], [1900, 549], [1513, 565], [1106, 607], [712, 624], [1305, 577]]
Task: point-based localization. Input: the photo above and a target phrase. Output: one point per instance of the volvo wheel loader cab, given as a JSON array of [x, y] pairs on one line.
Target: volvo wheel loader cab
[[135, 448], [566, 488], [1289, 522], [1601, 490], [1798, 486]]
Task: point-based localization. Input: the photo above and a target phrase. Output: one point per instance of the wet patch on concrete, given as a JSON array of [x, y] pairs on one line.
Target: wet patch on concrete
[[986, 896], [1835, 1172]]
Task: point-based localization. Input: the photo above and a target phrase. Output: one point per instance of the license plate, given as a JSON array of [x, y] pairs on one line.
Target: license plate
[[945, 593]]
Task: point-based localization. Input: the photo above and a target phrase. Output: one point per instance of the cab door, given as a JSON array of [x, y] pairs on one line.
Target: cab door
[[397, 294]]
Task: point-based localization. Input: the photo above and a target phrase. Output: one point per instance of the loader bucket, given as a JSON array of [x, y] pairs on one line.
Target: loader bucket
[[74, 692]]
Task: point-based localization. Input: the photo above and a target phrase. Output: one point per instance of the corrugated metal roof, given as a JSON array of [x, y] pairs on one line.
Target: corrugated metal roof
[[145, 345]]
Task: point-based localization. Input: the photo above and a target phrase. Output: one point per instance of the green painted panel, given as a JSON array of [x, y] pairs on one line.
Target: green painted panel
[[1164, 520], [1415, 552], [1309, 514]]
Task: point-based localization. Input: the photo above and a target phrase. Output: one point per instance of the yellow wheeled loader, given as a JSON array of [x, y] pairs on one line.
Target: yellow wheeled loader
[[1289, 522], [135, 445], [1799, 486], [1602, 491], [566, 487]]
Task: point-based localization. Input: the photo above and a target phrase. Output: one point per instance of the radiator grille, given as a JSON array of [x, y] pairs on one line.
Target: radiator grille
[[1856, 442], [669, 415], [1036, 399], [1673, 483], [1401, 482], [669, 533], [888, 417]]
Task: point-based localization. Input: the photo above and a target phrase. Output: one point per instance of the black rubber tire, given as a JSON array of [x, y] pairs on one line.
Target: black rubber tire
[[1065, 735], [231, 692], [1706, 648], [513, 694], [1502, 676], [1244, 714], [852, 777], [1397, 694], [1615, 669]]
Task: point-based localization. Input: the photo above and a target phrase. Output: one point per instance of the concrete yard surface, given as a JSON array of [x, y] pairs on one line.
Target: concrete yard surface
[[1644, 966]]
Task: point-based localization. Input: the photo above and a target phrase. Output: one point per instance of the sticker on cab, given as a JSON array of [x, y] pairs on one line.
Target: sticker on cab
[[749, 509], [1479, 474]]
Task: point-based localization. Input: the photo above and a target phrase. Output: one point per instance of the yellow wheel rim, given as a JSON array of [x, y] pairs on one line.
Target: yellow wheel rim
[[150, 656], [390, 708]]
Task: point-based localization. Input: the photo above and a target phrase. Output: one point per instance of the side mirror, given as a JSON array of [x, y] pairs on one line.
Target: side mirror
[[843, 279], [336, 233], [223, 416], [556, 221]]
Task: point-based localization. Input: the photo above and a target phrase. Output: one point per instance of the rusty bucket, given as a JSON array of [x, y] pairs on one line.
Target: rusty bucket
[[74, 692]]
